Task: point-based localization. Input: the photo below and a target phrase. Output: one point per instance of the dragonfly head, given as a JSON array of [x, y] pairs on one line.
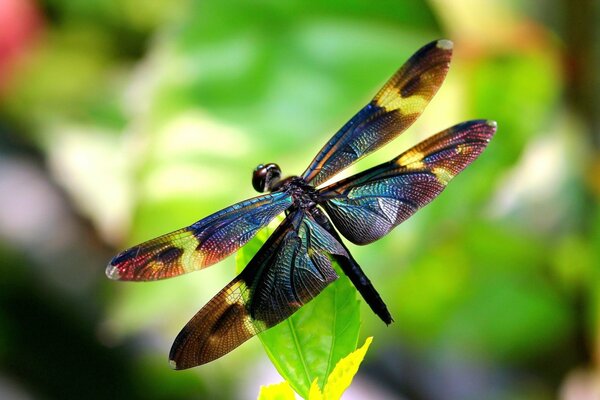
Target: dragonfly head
[[265, 177]]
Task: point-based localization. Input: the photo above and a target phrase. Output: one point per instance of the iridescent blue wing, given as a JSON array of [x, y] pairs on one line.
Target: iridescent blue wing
[[289, 270], [397, 105], [199, 245], [366, 206]]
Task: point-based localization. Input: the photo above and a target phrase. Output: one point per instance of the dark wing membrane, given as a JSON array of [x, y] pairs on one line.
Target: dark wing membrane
[[291, 268], [397, 105], [366, 206], [199, 245]]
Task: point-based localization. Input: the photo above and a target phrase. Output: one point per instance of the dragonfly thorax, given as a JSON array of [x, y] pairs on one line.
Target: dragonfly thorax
[[303, 195]]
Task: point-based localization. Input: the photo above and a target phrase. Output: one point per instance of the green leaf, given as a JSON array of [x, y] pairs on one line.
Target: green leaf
[[337, 382], [308, 345], [278, 391]]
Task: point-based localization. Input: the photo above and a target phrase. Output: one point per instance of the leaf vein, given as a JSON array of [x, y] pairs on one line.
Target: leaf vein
[[297, 344]]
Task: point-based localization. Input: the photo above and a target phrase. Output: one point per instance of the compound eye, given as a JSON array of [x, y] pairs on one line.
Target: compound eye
[[259, 179], [273, 170], [265, 177]]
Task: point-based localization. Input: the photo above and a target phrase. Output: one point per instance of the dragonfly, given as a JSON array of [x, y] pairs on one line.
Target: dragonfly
[[295, 263]]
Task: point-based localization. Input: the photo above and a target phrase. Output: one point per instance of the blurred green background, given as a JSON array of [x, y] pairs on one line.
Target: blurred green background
[[123, 120]]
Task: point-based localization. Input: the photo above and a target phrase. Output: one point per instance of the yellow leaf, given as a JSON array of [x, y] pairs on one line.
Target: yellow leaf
[[278, 391], [341, 376], [315, 391]]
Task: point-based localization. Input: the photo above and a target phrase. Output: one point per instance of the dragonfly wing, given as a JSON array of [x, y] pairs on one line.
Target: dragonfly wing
[[199, 245], [289, 270], [366, 206], [397, 105]]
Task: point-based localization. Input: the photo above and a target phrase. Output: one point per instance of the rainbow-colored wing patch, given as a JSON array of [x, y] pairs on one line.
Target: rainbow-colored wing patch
[[366, 206], [397, 105], [289, 270], [199, 245]]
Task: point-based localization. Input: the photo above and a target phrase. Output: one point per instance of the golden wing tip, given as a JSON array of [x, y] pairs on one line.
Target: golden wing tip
[[445, 44], [173, 364]]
